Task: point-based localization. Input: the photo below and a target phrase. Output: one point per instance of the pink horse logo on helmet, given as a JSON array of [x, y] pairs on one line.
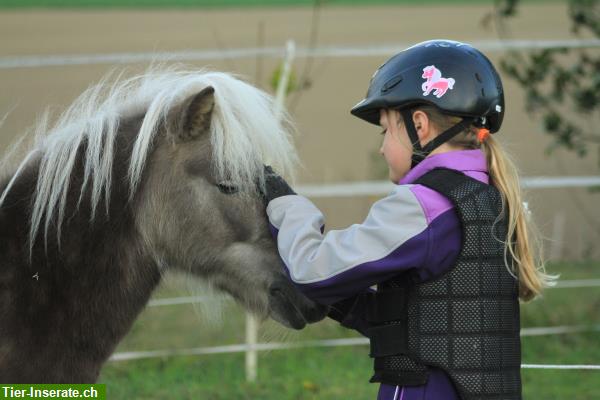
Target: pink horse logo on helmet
[[435, 81]]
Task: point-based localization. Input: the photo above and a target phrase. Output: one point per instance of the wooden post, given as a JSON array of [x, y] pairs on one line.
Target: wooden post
[[251, 340], [284, 77], [251, 322]]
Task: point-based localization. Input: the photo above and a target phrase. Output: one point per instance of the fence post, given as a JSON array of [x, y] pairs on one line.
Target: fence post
[[251, 322], [251, 340], [284, 77]]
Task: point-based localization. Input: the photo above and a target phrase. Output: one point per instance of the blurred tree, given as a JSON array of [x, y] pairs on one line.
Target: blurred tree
[[561, 85]]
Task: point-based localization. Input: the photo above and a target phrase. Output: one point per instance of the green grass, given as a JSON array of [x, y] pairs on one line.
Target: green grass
[[216, 3], [293, 374], [335, 373]]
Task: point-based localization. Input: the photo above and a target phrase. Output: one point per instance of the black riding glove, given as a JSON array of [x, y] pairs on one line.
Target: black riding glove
[[275, 185]]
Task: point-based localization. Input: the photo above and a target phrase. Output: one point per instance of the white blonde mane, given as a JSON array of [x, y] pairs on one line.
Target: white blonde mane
[[245, 134]]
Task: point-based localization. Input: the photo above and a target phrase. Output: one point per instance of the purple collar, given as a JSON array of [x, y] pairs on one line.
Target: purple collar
[[460, 160]]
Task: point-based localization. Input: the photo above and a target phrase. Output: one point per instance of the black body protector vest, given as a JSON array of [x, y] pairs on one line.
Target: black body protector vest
[[466, 321]]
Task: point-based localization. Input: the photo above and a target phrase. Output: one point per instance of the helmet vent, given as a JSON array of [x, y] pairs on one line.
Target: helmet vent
[[482, 92], [477, 76], [391, 83]]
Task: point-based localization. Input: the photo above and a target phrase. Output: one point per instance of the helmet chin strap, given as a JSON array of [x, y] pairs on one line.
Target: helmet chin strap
[[420, 152]]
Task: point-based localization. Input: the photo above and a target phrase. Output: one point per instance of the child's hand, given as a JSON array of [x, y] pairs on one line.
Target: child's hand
[[275, 185]]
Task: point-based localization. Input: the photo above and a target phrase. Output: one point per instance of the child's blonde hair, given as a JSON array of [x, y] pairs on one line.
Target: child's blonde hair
[[523, 242]]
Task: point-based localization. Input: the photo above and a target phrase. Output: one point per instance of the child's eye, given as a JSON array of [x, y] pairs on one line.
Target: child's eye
[[383, 132]]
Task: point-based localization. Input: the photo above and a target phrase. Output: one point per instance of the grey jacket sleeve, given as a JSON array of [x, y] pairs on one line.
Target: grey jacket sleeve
[[344, 262]]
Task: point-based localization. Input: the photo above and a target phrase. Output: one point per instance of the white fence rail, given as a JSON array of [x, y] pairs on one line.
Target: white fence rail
[[544, 366], [239, 348], [577, 283], [376, 188], [567, 284], [36, 61]]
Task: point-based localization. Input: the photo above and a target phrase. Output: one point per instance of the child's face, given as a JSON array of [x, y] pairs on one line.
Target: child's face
[[396, 147]]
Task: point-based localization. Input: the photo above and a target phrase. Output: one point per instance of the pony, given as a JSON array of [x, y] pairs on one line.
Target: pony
[[435, 81], [164, 170]]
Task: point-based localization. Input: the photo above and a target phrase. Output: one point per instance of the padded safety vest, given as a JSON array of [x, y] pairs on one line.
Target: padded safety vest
[[466, 321]]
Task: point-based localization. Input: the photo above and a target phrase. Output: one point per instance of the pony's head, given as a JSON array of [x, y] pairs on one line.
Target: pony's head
[[191, 147], [429, 72], [202, 209]]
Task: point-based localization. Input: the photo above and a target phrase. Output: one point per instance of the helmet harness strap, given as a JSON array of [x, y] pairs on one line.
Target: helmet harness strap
[[420, 152]]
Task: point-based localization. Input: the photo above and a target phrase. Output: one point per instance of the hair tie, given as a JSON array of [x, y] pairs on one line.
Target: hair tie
[[482, 134]]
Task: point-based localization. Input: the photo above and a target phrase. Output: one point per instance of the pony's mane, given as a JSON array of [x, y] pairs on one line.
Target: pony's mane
[[245, 134]]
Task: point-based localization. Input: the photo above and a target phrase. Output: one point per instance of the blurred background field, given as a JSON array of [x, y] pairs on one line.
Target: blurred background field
[[215, 3], [333, 147], [332, 372]]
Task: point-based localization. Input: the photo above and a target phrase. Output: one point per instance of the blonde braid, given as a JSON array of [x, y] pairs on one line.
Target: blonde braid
[[522, 240]]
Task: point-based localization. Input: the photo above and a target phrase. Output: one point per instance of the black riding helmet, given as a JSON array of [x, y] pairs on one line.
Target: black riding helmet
[[452, 76]]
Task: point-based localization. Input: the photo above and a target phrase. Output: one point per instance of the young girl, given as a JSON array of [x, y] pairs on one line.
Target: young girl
[[449, 250]]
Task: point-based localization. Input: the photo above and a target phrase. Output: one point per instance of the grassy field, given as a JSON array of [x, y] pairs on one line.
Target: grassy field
[[333, 373]]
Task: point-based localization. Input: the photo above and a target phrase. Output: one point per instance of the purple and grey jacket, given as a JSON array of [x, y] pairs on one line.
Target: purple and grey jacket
[[413, 228]]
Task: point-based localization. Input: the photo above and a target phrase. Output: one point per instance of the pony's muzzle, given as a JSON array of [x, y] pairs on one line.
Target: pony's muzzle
[[291, 308]]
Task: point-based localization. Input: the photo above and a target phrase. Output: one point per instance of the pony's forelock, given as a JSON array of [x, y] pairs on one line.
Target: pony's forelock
[[245, 134]]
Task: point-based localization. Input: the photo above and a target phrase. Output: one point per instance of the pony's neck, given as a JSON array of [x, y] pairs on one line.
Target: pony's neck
[[72, 303]]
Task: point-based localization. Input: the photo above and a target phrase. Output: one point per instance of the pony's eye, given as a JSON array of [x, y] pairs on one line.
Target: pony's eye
[[227, 188]]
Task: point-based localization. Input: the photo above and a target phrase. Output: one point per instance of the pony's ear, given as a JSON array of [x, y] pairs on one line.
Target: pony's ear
[[197, 113]]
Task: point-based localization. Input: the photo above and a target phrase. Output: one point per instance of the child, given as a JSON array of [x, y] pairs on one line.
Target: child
[[449, 249]]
